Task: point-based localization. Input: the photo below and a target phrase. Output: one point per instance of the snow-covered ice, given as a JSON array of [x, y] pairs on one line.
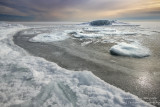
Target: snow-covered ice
[[27, 81], [119, 33], [98, 33], [49, 37], [87, 35], [108, 31], [131, 50]]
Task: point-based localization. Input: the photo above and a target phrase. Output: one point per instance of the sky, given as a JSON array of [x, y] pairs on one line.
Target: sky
[[79, 10]]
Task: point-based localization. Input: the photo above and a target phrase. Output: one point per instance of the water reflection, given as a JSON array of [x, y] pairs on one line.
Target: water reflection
[[144, 80]]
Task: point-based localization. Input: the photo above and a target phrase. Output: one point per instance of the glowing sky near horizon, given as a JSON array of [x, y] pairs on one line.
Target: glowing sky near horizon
[[81, 10]]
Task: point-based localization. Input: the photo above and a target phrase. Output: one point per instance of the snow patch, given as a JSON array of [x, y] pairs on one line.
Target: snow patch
[[49, 37], [87, 35]]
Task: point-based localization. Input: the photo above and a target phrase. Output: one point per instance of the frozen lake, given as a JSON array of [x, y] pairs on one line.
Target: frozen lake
[[79, 48], [87, 48]]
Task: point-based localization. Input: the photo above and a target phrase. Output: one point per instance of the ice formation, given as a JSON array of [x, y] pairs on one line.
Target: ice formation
[[99, 29], [31, 81], [98, 33], [87, 35], [131, 50], [49, 37]]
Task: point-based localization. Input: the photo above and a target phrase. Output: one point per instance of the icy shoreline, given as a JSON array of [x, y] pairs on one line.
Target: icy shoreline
[[33, 81]]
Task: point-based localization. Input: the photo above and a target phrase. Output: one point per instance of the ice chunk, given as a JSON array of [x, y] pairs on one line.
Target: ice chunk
[[131, 50], [49, 37]]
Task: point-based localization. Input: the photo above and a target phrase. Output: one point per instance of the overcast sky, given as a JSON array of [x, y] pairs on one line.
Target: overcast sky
[[79, 10]]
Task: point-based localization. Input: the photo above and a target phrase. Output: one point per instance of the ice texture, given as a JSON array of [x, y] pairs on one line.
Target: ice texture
[[31, 81], [131, 50], [49, 37]]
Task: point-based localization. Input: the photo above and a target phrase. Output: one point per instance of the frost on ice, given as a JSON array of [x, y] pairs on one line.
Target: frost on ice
[[131, 50], [30, 81]]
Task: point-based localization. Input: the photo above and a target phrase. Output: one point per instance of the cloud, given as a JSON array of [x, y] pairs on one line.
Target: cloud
[[11, 11], [78, 9]]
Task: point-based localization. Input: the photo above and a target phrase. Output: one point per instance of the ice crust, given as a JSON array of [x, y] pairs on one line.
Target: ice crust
[[31, 81], [130, 50]]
